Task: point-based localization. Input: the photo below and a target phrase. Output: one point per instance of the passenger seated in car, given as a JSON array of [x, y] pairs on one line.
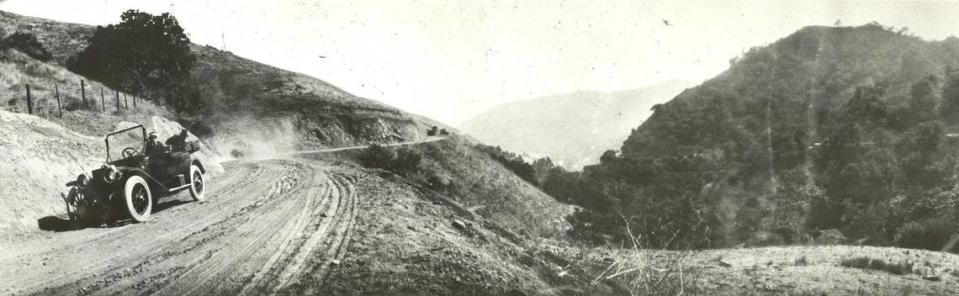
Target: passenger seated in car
[[178, 142], [153, 145]]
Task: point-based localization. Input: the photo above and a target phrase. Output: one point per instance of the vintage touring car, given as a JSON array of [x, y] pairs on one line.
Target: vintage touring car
[[130, 182]]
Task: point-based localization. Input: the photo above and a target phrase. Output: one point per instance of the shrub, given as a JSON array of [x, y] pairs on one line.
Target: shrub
[[512, 162], [28, 44], [407, 160], [377, 156], [404, 161], [143, 54], [930, 234], [862, 262]]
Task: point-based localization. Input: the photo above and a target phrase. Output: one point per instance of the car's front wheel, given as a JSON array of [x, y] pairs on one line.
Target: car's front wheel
[[139, 201], [197, 183]]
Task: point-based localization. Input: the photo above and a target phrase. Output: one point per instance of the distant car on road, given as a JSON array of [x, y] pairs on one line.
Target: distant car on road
[[130, 182]]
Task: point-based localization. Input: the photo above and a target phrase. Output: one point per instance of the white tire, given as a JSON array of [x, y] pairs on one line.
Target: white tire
[[137, 197], [197, 183], [71, 200]]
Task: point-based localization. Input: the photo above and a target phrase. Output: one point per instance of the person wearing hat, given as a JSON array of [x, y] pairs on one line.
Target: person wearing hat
[[153, 145], [178, 142]]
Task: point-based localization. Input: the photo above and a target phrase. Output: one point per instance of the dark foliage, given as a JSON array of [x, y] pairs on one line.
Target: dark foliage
[[840, 129], [403, 161], [511, 161], [657, 200], [144, 54], [28, 44]]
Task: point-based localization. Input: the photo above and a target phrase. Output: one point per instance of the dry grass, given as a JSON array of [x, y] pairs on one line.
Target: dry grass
[[651, 272], [46, 80]]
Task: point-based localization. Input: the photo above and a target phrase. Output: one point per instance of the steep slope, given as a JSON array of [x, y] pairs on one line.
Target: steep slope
[[784, 85], [42, 152], [247, 93], [572, 129], [830, 127]]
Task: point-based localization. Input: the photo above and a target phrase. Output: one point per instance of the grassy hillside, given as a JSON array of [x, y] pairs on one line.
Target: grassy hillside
[[240, 89], [572, 129]]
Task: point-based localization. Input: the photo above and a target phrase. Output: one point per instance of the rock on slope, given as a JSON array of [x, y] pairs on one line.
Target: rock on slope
[[572, 129]]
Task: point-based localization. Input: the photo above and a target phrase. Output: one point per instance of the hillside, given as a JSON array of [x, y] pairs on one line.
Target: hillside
[[246, 93], [486, 219], [830, 132], [283, 219], [572, 129]]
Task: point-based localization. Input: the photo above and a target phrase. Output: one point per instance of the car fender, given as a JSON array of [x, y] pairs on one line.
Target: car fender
[[197, 163]]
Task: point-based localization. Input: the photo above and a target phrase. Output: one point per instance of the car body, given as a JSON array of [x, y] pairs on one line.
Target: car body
[[129, 183]]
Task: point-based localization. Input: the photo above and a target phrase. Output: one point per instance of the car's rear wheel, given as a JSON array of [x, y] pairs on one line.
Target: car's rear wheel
[[71, 201], [197, 183], [138, 199]]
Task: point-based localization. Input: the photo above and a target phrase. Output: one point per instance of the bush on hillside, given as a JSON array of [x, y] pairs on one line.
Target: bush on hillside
[[377, 156], [929, 234], [404, 161], [28, 44], [512, 162], [143, 54], [658, 201]]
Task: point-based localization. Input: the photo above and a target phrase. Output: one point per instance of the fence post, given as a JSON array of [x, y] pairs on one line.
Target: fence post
[[83, 93], [56, 89], [29, 101], [103, 103], [117, 92]]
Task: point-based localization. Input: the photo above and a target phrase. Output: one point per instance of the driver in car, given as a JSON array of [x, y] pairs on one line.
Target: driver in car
[[153, 145]]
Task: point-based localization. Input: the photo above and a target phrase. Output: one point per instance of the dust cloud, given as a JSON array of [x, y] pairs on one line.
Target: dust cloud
[[247, 137]]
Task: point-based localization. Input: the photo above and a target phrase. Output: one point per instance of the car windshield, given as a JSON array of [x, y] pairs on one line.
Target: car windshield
[[130, 139]]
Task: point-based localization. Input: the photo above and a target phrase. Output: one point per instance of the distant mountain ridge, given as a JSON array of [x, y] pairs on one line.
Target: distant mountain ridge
[[572, 129]]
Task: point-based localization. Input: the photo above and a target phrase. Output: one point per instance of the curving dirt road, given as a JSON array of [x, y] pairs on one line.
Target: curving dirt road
[[270, 226]]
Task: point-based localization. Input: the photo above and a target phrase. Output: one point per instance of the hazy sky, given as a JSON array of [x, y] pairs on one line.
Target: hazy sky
[[452, 59]]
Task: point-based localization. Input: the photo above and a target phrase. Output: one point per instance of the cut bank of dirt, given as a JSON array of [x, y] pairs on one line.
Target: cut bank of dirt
[[39, 157]]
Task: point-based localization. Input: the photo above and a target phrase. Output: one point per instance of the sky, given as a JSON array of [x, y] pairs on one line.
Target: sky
[[450, 60]]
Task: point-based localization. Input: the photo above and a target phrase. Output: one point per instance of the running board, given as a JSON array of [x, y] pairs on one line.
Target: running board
[[178, 188]]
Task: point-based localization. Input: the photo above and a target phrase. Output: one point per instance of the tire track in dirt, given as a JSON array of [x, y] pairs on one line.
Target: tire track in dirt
[[269, 226], [308, 271], [80, 245], [140, 262]]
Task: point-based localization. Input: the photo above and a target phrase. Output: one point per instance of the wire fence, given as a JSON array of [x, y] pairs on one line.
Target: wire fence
[[43, 102]]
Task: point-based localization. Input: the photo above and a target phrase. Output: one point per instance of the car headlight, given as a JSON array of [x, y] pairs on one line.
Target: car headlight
[[111, 174], [82, 180]]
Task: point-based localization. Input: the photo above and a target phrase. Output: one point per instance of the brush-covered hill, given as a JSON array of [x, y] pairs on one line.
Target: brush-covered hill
[[831, 133], [572, 129]]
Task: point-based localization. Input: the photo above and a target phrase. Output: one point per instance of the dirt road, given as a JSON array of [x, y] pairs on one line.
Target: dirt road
[[270, 226]]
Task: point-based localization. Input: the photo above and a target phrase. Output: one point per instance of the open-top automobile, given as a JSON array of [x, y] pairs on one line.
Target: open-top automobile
[[131, 180]]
